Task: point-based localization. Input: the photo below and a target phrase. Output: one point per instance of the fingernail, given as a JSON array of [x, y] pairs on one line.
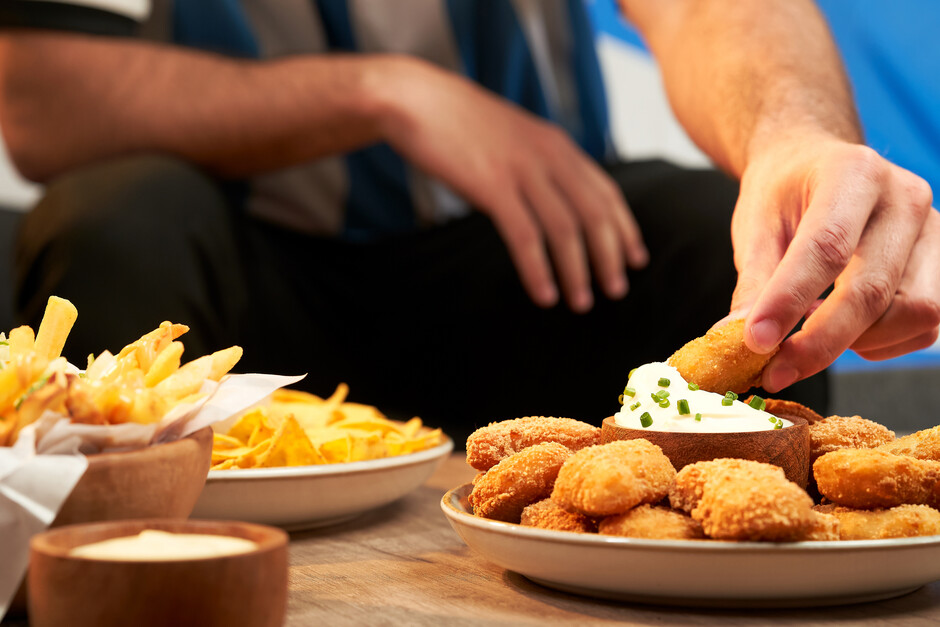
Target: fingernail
[[766, 335], [778, 377]]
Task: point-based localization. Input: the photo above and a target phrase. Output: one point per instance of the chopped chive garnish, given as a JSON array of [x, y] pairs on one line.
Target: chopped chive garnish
[[4, 343], [726, 401], [683, 406], [646, 420], [663, 382], [698, 417], [757, 403], [731, 395], [620, 399], [634, 406], [693, 386], [779, 425], [629, 392], [664, 403], [631, 373], [773, 419]]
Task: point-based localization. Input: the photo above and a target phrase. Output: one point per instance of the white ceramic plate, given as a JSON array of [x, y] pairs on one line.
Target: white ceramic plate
[[701, 572], [304, 497]]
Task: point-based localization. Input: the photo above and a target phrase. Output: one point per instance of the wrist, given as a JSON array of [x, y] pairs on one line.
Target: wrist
[[388, 86]]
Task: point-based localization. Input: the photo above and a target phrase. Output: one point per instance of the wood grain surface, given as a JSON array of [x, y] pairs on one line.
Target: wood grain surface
[[404, 565]]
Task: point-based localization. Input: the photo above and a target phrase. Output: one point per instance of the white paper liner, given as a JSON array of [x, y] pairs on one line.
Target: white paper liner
[[39, 472]]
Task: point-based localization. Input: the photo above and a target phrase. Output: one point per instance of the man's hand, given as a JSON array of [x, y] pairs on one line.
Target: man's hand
[[817, 211], [546, 197]]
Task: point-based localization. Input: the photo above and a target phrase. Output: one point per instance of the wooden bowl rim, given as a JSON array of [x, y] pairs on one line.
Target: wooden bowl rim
[[796, 420], [203, 437], [50, 542]]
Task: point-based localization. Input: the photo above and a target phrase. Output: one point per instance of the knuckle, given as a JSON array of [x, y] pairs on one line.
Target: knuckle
[[867, 163], [874, 294], [920, 194], [832, 247]]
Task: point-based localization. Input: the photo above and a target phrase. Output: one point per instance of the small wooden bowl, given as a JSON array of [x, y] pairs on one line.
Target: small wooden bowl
[[248, 589], [787, 447], [162, 481]]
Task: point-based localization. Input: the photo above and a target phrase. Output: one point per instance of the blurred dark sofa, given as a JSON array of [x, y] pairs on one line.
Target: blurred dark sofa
[[9, 223]]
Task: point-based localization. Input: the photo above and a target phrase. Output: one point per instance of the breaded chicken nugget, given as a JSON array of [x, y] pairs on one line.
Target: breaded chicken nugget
[[547, 514], [719, 360], [519, 480], [903, 521], [489, 445], [612, 478], [824, 527], [838, 432], [652, 522], [923, 444], [737, 499], [869, 479]]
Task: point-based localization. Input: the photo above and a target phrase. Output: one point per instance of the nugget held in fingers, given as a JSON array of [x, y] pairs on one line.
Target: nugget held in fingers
[[547, 514], [519, 480], [612, 478], [489, 445], [903, 521], [838, 432], [923, 444], [738, 499], [653, 522], [719, 361], [869, 479]]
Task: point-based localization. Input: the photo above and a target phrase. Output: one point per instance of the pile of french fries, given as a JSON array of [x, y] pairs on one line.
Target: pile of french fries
[[142, 383]]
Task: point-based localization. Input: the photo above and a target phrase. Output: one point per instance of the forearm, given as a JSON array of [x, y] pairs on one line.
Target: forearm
[[741, 75], [66, 100]]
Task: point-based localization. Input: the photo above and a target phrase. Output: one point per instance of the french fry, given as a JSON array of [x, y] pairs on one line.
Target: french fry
[[187, 380], [223, 361], [57, 322], [166, 363], [22, 341]]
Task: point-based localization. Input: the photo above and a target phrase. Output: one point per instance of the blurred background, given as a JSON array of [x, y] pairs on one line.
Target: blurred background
[[893, 59]]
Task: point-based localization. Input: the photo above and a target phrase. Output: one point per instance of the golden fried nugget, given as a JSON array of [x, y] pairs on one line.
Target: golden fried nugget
[[547, 514], [903, 521], [838, 432], [654, 522], [923, 444], [869, 479], [488, 445], [519, 480], [612, 478], [737, 499], [719, 361], [824, 527]]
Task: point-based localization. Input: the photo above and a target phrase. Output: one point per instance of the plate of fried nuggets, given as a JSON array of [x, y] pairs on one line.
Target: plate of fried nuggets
[[616, 503]]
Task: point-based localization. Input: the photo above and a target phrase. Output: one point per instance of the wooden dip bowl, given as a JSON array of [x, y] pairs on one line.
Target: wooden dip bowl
[[162, 481], [246, 589], [787, 447]]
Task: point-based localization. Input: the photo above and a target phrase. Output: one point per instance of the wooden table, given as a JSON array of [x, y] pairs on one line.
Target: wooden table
[[404, 565]]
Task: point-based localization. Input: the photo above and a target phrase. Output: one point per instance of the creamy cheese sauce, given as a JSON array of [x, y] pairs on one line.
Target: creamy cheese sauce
[[155, 546], [706, 414]]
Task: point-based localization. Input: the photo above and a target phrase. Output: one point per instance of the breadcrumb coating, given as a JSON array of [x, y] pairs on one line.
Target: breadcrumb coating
[[547, 514], [719, 361], [839, 432], [923, 444], [654, 522], [612, 478], [903, 521], [489, 445], [737, 499], [519, 480], [870, 478]]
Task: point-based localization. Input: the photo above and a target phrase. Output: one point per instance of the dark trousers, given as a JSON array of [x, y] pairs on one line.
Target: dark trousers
[[433, 323]]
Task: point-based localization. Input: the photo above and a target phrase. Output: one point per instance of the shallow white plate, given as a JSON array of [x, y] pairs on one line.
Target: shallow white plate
[[700, 572], [303, 497]]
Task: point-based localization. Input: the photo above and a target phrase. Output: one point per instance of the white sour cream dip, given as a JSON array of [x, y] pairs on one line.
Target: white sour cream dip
[[706, 414], [152, 545]]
